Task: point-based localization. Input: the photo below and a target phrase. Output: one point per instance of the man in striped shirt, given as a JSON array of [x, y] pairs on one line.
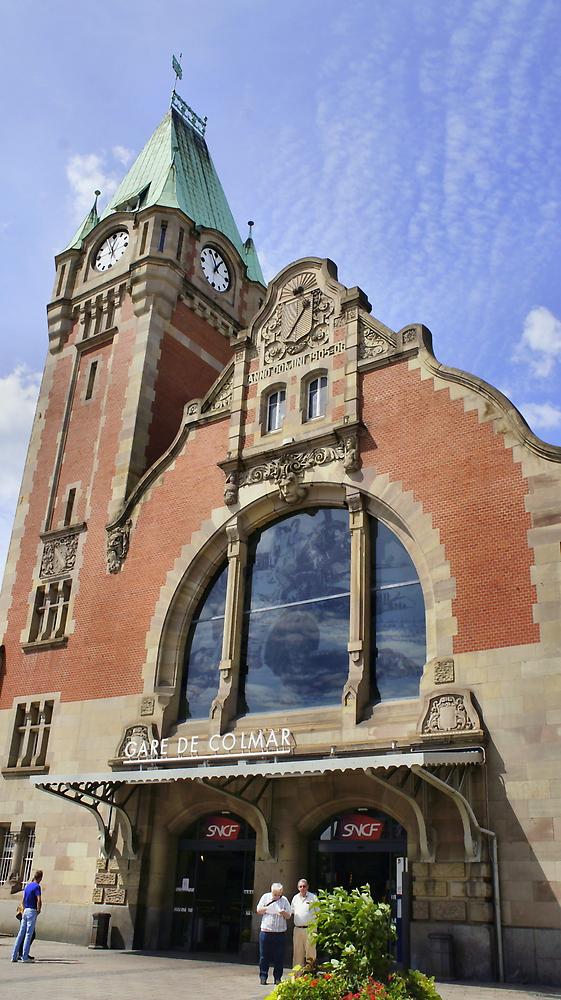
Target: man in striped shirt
[[275, 911]]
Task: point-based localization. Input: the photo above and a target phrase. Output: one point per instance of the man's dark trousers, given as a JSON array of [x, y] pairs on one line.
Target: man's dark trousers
[[271, 952]]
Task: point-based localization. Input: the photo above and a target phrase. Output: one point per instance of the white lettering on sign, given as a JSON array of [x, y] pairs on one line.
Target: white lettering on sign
[[223, 830], [360, 830], [257, 742]]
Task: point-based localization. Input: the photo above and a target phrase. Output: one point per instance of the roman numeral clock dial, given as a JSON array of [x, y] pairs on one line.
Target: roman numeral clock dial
[[215, 269]]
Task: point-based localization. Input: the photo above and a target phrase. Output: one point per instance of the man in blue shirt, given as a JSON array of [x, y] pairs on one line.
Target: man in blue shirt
[[31, 910]]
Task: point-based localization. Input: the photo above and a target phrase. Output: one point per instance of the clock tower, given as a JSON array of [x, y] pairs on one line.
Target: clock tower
[[148, 298]]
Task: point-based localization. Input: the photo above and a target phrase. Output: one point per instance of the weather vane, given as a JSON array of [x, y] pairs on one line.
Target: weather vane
[[176, 66]]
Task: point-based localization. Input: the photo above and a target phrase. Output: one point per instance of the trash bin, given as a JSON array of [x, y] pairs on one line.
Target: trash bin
[[100, 930], [441, 956]]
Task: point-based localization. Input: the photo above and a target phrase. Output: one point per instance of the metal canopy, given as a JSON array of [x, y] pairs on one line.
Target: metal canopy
[[393, 770], [296, 767]]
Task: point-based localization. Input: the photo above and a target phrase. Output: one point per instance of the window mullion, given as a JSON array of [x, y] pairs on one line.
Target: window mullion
[[356, 690], [224, 707]]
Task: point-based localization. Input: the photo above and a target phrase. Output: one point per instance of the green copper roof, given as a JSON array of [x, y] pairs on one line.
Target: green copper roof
[[91, 220], [175, 170]]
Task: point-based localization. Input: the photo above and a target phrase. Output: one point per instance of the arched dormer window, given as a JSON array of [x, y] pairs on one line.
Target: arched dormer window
[[275, 407], [295, 624], [316, 397]]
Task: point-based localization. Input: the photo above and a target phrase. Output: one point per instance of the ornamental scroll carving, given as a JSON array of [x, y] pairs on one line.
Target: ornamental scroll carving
[[450, 712], [118, 546], [300, 321], [370, 343], [223, 397], [59, 555], [288, 471]]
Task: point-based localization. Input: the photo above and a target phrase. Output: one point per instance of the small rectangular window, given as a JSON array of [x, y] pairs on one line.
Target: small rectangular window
[[91, 380], [8, 847], [31, 734], [275, 409], [60, 279], [163, 231], [27, 862], [143, 238], [50, 611], [317, 397], [180, 244], [69, 506], [87, 319], [110, 311]]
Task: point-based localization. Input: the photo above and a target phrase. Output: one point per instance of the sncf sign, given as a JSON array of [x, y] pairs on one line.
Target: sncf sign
[[221, 828], [356, 827]]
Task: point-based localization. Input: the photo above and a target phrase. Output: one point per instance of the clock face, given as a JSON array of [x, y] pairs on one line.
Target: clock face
[[215, 269], [111, 250]]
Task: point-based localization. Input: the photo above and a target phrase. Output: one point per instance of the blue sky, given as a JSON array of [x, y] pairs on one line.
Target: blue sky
[[416, 143]]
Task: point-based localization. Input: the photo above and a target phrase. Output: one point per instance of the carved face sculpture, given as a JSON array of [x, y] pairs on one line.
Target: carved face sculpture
[[290, 489]]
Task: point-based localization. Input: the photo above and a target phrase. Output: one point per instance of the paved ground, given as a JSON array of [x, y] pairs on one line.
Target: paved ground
[[70, 972]]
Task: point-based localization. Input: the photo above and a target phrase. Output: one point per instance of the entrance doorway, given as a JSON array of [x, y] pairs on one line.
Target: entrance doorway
[[214, 885], [360, 847]]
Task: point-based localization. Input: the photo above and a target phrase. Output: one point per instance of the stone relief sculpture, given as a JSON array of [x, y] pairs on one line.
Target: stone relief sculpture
[[118, 546], [299, 321], [231, 489], [449, 713], [291, 490], [59, 555]]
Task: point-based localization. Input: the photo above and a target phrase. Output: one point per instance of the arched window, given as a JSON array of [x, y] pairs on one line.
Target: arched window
[[316, 397], [275, 410], [295, 631], [203, 651]]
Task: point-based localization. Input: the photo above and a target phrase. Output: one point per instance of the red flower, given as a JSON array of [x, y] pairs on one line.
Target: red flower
[[326, 975], [313, 982]]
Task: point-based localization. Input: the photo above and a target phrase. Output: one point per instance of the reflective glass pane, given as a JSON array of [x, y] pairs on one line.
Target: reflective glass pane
[[398, 618], [203, 653], [297, 657], [295, 648], [300, 558], [393, 563]]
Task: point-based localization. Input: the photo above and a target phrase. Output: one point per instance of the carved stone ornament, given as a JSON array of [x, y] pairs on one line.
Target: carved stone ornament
[[118, 546], [231, 489], [299, 321], [351, 458], [140, 734], [59, 555], [288, 471], [444, 672], [409, 336], [147, 706], [370, 343], [223, 397], [449, 712]]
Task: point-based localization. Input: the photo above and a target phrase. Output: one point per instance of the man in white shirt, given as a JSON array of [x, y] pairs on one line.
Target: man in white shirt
[[303, 909], [275, 911]]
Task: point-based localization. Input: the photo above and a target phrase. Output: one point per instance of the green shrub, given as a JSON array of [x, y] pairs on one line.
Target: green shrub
[[356, 933]]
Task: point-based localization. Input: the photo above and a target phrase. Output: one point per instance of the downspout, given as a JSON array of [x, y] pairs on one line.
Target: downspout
[[494, 852]]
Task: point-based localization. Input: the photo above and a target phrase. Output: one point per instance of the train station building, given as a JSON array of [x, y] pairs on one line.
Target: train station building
[[282, 599]]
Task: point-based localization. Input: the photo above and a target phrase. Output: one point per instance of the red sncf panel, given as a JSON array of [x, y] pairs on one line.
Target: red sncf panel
[[359, 827], [221, 828]]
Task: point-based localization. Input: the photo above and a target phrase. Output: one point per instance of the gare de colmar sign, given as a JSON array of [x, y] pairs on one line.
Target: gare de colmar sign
[[139, 747]]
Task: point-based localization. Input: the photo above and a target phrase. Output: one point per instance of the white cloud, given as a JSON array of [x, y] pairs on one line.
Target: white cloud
[[541, 341], [18, 398], [123, 155], [541, 416], [87, 173]]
